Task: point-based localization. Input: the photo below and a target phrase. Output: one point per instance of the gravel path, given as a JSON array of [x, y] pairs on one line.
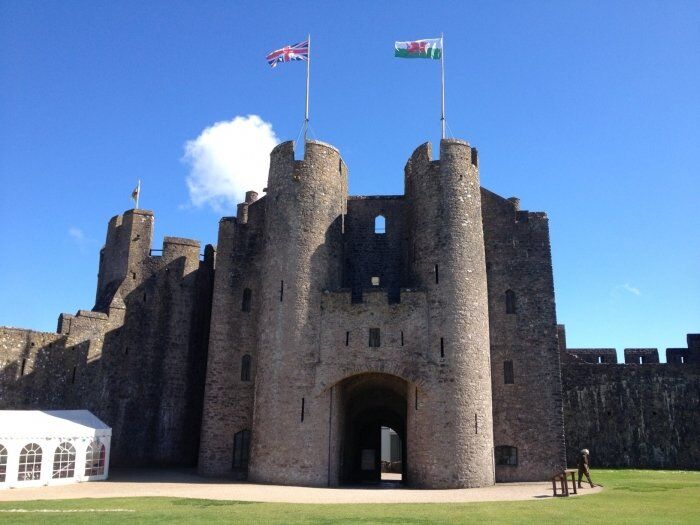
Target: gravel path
[[186, 484]]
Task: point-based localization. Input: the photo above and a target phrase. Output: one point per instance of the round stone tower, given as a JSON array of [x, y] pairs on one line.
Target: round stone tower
[[451, 424], [304, 209]]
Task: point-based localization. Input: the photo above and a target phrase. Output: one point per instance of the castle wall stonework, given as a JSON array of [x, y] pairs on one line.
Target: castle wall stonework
[[278, 355], [641, 416], [136, 359], [633, 415]]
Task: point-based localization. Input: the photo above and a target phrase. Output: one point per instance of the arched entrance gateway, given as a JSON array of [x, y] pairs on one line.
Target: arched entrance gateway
[[367, 403]]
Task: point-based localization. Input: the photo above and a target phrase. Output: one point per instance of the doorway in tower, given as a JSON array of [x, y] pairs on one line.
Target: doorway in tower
[[373, 445]]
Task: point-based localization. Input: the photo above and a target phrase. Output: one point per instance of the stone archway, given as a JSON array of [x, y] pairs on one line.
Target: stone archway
[[370, 401]]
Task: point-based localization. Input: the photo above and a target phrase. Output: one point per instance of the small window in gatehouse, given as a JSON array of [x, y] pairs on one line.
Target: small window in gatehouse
[[245, 368], [510, 302], [508, 376], [375, 281], [379, 224], [247, 295], [374, 340], [506, 456]]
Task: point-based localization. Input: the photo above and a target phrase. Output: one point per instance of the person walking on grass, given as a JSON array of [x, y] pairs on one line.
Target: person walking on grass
[[583, 468]]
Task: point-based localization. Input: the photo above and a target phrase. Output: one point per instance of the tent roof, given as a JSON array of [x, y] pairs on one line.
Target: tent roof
[[50, 424]]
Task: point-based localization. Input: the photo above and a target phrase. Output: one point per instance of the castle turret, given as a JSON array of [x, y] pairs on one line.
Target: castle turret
[[128, 245], [306, 200], [447, 260]]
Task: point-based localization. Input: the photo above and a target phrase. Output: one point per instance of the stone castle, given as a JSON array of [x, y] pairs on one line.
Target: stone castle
[[320, 318]]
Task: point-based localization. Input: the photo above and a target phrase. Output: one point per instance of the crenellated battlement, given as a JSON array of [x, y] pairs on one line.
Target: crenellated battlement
[[636, 356]]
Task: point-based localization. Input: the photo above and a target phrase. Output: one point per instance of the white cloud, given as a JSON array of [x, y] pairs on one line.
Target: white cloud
[[79, 238], [615, 293], [227, 159], [76, 234]]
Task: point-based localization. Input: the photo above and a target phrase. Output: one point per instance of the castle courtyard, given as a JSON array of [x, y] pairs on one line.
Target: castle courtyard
[[185, 483]]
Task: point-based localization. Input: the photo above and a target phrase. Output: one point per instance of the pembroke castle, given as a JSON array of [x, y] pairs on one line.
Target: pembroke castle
[[319, 318]]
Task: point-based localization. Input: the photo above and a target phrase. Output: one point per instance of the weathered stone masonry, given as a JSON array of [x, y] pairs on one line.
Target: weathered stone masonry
[[279, 355], [137, 359], [642, 415]]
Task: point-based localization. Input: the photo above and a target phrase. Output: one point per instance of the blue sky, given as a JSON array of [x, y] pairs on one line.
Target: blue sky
[[586, 110]]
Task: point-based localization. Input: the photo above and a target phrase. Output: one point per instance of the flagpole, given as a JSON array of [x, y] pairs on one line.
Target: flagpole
[[138, 194], [442, 68], [306, 113]]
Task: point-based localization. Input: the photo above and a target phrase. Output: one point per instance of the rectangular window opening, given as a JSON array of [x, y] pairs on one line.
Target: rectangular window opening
[[600, 359], [302, 409], [508, 376], [416, 398], [281, 290], [682, 359], [374, 338], [24, 364], [72, 379], [401, 337], [347, 338], [247, 298], [375, 281], [442, 347], [437, 275], [506, 456], [476, 423]]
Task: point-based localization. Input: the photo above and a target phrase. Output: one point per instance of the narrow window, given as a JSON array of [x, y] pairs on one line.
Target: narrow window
[[29, 463], [126, 350], [442, 347], [379, 224], [600, 359], [375, 281], [476, 424], [682, 359], [347, 338], [510, 302], [302, 409], [437, 275], [24, 364], [374, 338], [95, 459], [72, 377], [401, 337], [64, 461], [144, 297], [133, 275], [506, 456], [241, 449], [247, 295], [245, 368], [416, 398], [281, 290], [641, 360], [508, 376]]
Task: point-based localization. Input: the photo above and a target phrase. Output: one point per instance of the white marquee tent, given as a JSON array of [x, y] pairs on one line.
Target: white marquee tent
[[52, 447]]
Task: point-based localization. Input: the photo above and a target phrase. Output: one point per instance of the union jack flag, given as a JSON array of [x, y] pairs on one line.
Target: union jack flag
[[298, 51]]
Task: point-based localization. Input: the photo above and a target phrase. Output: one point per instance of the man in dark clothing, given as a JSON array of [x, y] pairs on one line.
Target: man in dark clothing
[[583, 467]]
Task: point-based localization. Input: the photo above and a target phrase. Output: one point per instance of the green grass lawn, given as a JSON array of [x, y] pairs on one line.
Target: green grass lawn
[[630, 496]]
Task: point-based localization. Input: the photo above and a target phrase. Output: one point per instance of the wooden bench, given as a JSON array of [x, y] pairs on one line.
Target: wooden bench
[[562, 479]]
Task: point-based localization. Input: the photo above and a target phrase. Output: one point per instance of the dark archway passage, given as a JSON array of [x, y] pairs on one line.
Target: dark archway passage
[[370, 401]]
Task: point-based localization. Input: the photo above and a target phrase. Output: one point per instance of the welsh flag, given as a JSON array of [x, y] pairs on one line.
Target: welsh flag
[[428, 48]]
